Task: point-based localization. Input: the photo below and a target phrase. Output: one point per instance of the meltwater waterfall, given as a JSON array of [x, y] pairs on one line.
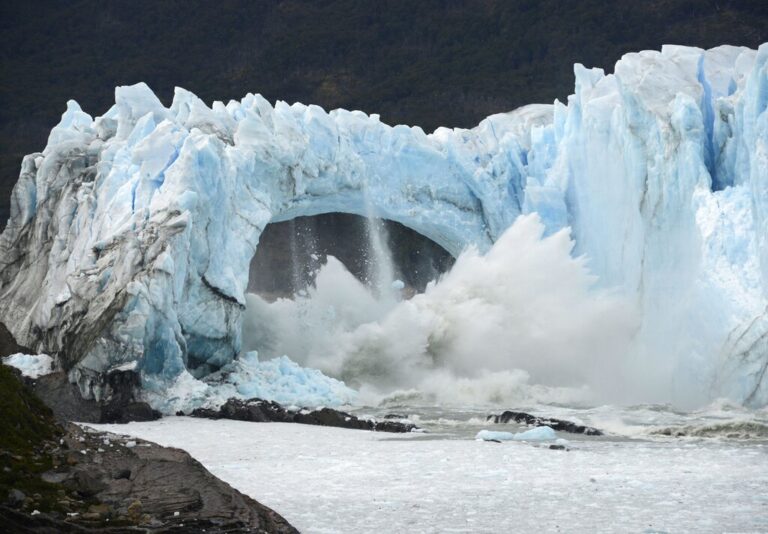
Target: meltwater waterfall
[[381, 272]]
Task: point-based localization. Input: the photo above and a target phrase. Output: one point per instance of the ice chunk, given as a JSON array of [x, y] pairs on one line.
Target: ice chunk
[[30, 365], [540, 433], [493, 435], [278, 379], [286, 382]]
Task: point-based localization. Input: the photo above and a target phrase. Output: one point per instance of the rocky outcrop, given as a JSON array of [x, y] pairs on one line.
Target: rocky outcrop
[[73, 479], [139, 486], [117, 484], [261, 411], [559, 425], [119, 406], [8, 344], [117, 403]]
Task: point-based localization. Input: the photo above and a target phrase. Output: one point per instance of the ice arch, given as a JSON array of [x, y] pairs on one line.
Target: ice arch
[[146, 218]]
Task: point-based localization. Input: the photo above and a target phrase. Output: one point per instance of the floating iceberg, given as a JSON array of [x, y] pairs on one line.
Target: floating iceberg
[[540, 433], [131, 234]]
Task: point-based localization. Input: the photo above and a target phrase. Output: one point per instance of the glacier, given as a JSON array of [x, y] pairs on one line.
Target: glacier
[[131, 234]]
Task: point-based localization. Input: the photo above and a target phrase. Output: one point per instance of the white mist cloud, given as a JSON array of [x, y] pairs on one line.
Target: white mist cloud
[[524, 313]]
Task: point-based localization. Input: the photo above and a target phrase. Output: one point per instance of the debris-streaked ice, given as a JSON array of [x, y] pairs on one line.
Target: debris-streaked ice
[[131, 234]]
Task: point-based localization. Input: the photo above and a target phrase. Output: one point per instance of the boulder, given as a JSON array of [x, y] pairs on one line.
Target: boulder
[[558, 425], [262, 411], [8, 343], [119, 406]]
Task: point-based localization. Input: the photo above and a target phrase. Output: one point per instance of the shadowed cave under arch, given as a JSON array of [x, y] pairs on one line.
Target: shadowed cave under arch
[[290, 252]]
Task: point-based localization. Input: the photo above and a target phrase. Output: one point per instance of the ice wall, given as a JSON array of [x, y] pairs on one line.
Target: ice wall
[[659, 169], [131, 234]]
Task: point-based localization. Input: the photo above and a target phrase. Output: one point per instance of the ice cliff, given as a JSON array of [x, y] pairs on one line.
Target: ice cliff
[[131, 234]]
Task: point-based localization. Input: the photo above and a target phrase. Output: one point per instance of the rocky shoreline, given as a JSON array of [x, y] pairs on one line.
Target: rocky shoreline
[[69, 478], [120, 406], [65, 478], [262, 411], [114, 482]]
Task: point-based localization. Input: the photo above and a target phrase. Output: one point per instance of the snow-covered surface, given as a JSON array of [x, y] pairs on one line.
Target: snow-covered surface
[[131, 234], [30, 365], [327, 480]]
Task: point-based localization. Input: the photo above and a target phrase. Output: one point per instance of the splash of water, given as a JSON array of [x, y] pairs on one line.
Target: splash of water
[[525, 313]]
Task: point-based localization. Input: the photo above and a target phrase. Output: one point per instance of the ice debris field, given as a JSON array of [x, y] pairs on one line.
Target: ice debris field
[[330, 480]]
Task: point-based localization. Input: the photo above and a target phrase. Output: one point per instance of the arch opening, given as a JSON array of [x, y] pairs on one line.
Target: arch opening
[[315, 275], [291, 252]]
